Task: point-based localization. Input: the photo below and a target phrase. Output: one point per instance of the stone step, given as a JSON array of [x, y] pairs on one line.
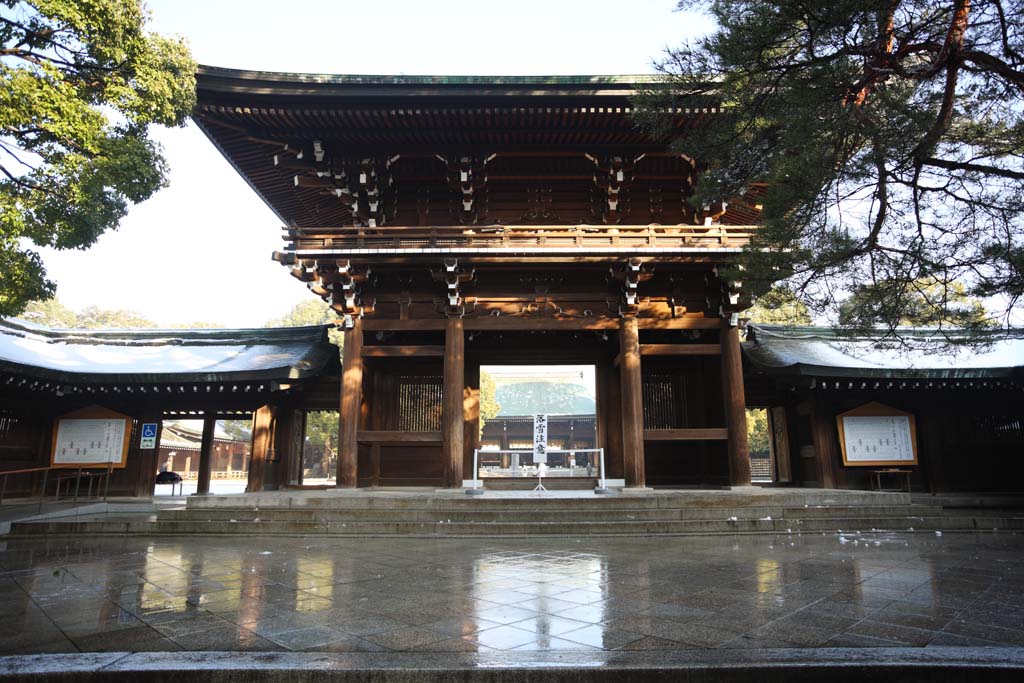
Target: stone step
[[332, 500], [486, 515], [849, 526]]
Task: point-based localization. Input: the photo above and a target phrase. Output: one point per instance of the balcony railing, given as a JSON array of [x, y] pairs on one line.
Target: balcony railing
[[525, 237]]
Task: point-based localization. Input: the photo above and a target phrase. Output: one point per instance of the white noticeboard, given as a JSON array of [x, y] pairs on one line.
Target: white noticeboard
[[89, 441], [540, 439], [878, 439]]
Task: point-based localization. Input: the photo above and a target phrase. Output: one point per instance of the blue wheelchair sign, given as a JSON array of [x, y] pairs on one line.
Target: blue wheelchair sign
[[149, 430]]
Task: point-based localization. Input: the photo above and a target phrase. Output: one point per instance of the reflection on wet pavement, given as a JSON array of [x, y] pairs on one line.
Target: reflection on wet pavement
[[345, 595]]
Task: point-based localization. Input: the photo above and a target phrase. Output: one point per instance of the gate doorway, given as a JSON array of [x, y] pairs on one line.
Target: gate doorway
[[510, 397], [180, 446]]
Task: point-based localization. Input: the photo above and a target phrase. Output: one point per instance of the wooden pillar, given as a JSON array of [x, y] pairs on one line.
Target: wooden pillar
[[932, 449], [452, 409], [262, 447], [289, 432], [632, 403], [826, 442], [735, 405], [206, 455], [351, 404], [145, 480]]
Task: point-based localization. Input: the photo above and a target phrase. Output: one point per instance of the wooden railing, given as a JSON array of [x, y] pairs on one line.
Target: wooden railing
[[67, 475], [519, 237]]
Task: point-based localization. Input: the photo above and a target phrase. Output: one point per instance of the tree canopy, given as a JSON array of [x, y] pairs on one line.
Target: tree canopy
[[81, 82], [779, 306], [556, 398], [882, 139], [53, 313]]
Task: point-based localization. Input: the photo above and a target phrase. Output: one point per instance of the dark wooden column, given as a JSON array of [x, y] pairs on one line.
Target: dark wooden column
[[262, 446], [632, 403], [826, 443], [735, 405], [289, 432], [206, 455], [145, 479], [452, 411], [351, 404]]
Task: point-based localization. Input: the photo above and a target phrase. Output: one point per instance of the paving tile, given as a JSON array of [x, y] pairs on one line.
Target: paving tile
[[503, 637], [803, 636], [403, 639], [505, 614], [348, 644], [750, 643], [994, 633], [601, 636], [900, 634], [652, 643], [304, 638], [456, 627], [453, 645], [225, 639], [141, 639], [551, 644], [364, 626], [546, 593]]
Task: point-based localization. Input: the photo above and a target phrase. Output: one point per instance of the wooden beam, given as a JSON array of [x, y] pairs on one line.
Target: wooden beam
[[351, 405], [680, 349], [735, 405], [707, 434], [632, 403], [395, 437], [413, 325], [591, 323], [402, 351], [452, 414]]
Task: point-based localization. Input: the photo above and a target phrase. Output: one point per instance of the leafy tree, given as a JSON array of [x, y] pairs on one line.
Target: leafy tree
[[489, 406], [50, 313], [779, 306], [882, 139], [757, 431], [921, 303], [310, 312], [53, 313], [320, 451], [307, 312], [81, 81], [556, 398], [241, 430]]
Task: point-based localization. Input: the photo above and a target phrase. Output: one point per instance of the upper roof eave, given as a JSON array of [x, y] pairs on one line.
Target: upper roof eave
[[215, 81], [155, 356], [826, 352]]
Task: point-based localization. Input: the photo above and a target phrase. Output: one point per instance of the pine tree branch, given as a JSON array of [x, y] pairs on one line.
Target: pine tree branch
[[979, 168]]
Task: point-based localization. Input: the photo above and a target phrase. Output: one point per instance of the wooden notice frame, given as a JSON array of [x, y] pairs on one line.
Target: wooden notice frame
[[898, 428], [113, 426]]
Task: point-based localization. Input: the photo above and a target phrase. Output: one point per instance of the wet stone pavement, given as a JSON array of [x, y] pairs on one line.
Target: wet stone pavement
[[451, 595]]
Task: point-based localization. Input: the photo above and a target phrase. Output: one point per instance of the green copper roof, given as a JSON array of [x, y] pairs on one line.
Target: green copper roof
[[402, 79]]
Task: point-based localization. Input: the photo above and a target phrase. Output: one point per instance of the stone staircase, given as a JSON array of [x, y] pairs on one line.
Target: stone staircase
[[448, 515]]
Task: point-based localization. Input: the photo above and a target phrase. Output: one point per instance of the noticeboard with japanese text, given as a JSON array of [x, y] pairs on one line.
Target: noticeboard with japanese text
[[540, 439], [92, 437], [877, 435]]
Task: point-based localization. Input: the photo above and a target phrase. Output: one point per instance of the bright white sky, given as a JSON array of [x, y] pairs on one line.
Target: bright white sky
[[200, 249]]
